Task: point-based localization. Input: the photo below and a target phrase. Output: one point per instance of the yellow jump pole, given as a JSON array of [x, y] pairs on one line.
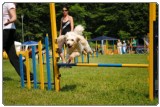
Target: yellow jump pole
[[152, 18], [41, 65], [55, 47], [106, 47], [28, 70]]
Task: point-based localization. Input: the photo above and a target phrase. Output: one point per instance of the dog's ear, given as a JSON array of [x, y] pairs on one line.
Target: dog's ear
[[61, 39], [65, 36]]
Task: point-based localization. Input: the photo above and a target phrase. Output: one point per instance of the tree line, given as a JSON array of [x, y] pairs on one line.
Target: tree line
[[119, 20]]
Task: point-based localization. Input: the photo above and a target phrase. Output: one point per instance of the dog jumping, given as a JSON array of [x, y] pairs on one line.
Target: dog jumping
[[75, 42]]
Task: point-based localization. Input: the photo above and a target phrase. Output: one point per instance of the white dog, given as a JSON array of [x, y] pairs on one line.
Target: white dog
[[75, 42]]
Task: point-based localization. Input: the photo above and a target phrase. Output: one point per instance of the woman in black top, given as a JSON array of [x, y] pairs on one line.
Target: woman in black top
[[67, 25]]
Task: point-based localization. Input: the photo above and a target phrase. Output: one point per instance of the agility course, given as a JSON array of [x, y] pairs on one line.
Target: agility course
[[25, 54], [56, 65]]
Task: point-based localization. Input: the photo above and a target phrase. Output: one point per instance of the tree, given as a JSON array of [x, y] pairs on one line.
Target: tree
[[120, 20]]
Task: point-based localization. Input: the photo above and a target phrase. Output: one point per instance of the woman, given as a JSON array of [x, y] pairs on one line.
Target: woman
[[9, 33], [66, 25]]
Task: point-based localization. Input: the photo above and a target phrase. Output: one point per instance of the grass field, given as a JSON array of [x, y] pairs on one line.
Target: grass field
[[85, 85]]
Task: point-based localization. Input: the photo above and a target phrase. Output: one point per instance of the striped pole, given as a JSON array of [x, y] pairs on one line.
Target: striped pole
[[104, 65], [48, 62], [34, 66], [21, 70]]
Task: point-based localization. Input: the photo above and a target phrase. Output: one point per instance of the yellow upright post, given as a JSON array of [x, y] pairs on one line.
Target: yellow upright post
[[114, 49], [107, 47], [55, 47], [41, 65], [28, 70], [152, 17]]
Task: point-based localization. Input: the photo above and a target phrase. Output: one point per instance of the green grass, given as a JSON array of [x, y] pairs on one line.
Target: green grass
[[85, 85]]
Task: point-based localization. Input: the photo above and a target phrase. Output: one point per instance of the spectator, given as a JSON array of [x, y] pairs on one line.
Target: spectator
[[119, 46], [124, 45], [128, 48], [134, 44]]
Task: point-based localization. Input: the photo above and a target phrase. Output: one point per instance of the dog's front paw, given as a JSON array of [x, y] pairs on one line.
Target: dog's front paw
[[84, 52]]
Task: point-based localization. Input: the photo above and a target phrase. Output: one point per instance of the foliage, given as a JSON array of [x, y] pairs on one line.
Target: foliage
[[120, 20]]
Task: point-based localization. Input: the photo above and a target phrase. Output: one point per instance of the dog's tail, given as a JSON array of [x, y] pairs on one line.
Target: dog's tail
[[79, 29]]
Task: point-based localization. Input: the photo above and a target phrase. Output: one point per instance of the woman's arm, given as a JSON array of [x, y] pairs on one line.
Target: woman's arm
[[60, 31], [72, 23], [13, 16]]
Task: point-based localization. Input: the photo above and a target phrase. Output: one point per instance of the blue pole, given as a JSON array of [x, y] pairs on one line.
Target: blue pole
[[76, 59], [21, 70], [82, 58], [48, 63], [97, 53], [34, 66]]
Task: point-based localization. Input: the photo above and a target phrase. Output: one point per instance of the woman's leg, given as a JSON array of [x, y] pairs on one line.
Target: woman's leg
[[9, 47]]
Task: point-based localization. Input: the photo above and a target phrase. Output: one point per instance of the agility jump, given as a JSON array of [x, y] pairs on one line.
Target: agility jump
[[152, 18], [41, 72]]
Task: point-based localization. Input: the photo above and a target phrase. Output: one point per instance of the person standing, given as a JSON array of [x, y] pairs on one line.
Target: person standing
[[119, 46], [66, 25], [128, 50], [134, 44], [124, 45], [9, 36]]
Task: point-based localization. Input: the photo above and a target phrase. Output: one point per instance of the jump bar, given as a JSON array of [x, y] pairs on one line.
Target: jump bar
[[103, 65]]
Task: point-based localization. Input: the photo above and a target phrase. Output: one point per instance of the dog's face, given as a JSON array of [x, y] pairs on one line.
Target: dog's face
[[71, 39]]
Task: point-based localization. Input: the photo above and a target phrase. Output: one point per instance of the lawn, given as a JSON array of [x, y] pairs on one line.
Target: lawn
[[85, 85]]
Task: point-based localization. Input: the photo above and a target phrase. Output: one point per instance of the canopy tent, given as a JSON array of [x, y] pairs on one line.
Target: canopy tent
[[30, 43], [102, 38]]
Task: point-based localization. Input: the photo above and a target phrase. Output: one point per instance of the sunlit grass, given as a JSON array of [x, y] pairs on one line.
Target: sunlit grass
[[85, 85]]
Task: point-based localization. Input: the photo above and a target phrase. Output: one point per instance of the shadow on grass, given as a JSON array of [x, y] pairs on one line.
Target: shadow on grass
[[7, 79], [133, 92], [68, 88]]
